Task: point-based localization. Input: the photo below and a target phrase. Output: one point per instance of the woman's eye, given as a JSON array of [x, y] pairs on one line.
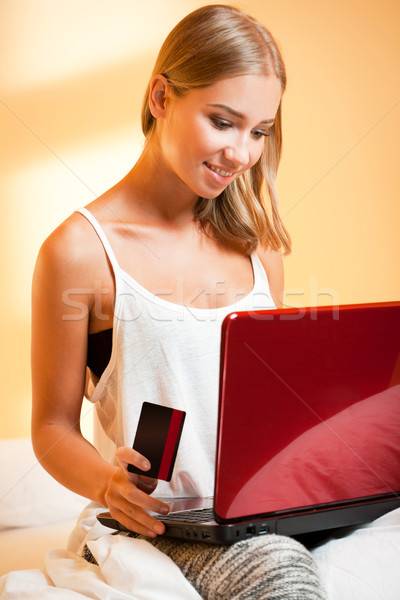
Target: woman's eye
[[259, 134], [220, 123]]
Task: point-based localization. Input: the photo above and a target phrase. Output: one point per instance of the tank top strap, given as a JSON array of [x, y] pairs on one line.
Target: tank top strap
[[260, 276], [103, 238]]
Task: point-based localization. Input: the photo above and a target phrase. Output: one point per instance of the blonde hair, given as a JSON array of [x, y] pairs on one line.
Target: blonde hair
[[211, 43]]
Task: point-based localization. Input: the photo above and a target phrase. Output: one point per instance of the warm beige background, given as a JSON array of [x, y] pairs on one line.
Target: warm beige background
[[72, 75]]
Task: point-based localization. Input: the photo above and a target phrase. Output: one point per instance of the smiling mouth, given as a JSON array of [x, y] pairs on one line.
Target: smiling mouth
[[219, 171]]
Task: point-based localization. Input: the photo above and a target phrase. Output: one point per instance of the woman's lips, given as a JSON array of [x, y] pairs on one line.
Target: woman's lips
[[219, 171]]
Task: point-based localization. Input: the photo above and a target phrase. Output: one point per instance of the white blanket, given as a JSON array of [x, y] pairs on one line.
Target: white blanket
[[128, 570], [363, 565]]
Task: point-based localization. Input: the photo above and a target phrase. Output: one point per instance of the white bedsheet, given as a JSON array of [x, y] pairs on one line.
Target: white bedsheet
[[26, 547], [364, 564]]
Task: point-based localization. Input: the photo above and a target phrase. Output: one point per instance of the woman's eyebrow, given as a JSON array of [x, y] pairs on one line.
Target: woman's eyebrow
[[237, 114]]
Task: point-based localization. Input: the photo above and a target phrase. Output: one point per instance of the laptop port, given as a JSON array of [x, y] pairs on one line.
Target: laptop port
[[262, 529], [205, 535], [250, 530]]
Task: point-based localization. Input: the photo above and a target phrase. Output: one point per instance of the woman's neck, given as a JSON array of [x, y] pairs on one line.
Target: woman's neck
[[158, 190]]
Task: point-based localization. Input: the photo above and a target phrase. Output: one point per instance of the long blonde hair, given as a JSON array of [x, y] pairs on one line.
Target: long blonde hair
[[211, 43]]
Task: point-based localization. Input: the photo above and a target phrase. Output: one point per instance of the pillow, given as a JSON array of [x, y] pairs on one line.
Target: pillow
[[29, 496]]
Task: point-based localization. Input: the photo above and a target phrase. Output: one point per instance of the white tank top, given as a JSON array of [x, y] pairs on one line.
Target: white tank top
[[168, 354]]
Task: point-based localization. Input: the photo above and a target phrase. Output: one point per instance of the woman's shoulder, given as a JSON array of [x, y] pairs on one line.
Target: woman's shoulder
[[72, 237], [71, 248]]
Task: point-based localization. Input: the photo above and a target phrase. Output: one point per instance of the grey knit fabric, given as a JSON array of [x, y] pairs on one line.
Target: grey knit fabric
[[271, 567]]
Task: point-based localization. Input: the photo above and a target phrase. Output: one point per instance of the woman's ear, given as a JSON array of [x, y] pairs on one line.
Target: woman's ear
[[160, 89]]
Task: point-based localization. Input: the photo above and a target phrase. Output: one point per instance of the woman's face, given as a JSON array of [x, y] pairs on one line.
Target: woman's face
[[213, 134]]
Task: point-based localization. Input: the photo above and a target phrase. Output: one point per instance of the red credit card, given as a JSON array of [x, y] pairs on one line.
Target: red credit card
[[157, 438]]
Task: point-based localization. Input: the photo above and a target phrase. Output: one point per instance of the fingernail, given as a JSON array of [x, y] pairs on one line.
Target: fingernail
[[163, 510], [159, 528], [145, 465]]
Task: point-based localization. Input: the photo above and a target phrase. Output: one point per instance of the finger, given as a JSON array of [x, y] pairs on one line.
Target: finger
[[136, 496], [120, 486], [137, 520], [146, 484], [130, 506], [127, 456]]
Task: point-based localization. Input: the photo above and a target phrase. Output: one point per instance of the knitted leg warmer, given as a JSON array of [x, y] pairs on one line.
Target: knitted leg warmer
[[271, 567], [261, 568]]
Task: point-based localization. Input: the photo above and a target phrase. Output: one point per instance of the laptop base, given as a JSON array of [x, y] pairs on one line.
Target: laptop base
[[211, 532]]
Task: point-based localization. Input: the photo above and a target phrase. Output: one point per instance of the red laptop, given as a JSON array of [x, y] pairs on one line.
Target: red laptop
[[309, 424]]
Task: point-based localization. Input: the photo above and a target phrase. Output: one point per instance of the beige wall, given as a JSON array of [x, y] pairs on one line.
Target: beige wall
[[72, 74]]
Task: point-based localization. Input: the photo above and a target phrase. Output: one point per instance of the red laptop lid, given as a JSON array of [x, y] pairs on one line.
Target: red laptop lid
[[309, 409]]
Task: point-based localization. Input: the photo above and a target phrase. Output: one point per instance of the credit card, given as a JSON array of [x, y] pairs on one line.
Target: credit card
[[157, 438]]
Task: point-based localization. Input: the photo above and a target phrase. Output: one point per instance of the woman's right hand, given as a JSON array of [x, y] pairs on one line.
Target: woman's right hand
[[128, 495]]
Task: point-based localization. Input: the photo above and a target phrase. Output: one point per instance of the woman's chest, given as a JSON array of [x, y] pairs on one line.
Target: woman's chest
[[189, 270]]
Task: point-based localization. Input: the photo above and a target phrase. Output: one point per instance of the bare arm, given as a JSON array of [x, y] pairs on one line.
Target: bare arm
[[59, 351]]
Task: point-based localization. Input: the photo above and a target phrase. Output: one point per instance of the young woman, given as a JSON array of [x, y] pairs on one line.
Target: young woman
[[129, 293]]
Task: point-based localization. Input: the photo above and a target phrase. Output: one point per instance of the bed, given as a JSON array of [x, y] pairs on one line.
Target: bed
[[37, 515], [36, 512]]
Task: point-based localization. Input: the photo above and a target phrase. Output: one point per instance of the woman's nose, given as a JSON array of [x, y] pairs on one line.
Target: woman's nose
[[238, 153]]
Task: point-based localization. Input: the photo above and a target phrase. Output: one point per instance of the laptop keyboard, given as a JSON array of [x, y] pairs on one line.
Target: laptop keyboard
[[191, 516]]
